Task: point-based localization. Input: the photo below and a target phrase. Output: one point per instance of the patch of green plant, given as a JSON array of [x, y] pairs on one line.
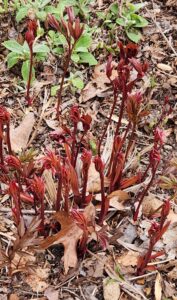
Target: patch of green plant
[[81, 7], [128, 18], [81, 52], [21, 53], [39, 8], [3, 6]]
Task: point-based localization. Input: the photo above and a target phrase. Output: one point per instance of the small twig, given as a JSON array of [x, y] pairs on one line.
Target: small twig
[[143, 276]]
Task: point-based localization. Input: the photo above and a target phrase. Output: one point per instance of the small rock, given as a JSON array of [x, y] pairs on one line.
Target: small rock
[[111, 289], [164, 67]]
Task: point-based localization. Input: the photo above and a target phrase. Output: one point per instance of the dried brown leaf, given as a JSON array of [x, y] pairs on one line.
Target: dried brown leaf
[[13, 297], [69, 236], [20, 135], [158, 287], [93, 184]]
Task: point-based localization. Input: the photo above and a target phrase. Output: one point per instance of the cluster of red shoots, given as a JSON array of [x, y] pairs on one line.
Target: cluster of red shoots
[[30, 38], [23, 177], [155, 233]]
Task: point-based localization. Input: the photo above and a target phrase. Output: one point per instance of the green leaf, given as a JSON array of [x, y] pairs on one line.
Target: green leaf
[[54, 90], [14, 46], [12, 59], [41, 15], [78, 83], [114, 8], [133, 35], [121, 22], [25, 71], [75, 57], [86, 57], [44, 3], [84, 42], [135, 7], [40, 48], [140, 21], [58, 50], [22, 13]]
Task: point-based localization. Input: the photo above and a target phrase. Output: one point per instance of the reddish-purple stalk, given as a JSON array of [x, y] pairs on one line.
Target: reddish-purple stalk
[[156, 231], [1, 144], [142, 194], [8, 139], [28, 98], [103, 200], [66, 66], [59, 190]]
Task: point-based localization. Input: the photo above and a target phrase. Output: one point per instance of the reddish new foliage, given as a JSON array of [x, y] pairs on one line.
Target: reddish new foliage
[[23, 176]]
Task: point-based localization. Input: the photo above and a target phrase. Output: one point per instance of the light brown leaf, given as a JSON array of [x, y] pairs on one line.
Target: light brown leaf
[[20, 135], [158, 287], [93, 184], [111, 289], [119, 195], [69, 236], [13, 297], [130, 258], [50, 185], [98, 85]]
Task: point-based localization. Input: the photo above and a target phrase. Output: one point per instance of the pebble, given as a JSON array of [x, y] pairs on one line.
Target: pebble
[[164, 67]]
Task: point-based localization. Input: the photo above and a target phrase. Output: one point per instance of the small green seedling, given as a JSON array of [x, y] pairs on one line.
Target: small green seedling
[[20, 52], [39, 8], [126, 17], [81, 52]]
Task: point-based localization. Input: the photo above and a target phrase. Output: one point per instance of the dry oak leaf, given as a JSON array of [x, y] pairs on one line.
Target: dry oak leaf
[[20, 135], [69, 236], [98, 85]]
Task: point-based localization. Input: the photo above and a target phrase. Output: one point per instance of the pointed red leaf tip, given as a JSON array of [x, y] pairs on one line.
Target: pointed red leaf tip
[[86, 121], [75, 114], [4, 115], [155, 227], [32, 25], [128, 51], [58, 135], [140, 68], [51, 161], [70, 13], [134, 105], [53, 22], [154, 156], [165, 208], [86, 158], [80, 219], [99, 166], [109, 67], [29, 37], [159, 136], [37, 187], [13, 162]]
